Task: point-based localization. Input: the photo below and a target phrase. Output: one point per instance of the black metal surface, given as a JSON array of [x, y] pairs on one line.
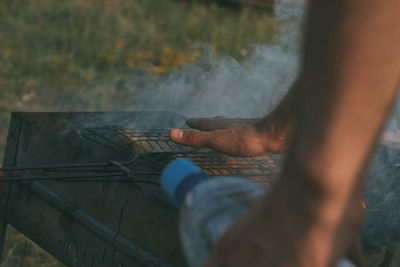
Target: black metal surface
[[111, 171], [93, 197], [151, 150], [145, 168]]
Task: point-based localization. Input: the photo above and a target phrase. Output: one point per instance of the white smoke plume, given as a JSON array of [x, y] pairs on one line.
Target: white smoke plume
[[219, 85]]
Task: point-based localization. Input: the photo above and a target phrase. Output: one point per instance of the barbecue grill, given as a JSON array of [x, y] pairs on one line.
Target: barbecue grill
[[85, 186]]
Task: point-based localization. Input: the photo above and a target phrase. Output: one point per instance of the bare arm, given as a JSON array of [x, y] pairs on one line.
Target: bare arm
[[351, 68], [350, 76]]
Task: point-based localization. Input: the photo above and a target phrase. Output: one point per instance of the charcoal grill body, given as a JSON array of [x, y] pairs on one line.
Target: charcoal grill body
[[88, 223], [84, 224], [127, 223]]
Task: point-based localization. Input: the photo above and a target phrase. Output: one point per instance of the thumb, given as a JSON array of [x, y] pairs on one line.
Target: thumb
[[191, 137]]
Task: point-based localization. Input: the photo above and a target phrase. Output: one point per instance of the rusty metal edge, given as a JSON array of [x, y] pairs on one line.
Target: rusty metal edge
[[10, 157]]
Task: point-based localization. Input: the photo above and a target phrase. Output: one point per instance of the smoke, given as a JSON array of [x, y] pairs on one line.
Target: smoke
[[382, 198], [382, 195], [220, 85]]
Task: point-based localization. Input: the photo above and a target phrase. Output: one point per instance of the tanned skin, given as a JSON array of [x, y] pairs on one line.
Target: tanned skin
[[328, 124]]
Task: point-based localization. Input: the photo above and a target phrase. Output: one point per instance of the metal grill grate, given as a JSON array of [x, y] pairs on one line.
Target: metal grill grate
[[256, 168], [146, 168], [150, 151], [154, 150], [130, 141]]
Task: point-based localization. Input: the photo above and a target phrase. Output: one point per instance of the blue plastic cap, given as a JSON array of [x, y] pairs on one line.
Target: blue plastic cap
[[175, 173]]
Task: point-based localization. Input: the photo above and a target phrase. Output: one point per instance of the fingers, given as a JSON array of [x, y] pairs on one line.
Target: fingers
[[236, 141], [192, 138], [223, 141], [217, 123]]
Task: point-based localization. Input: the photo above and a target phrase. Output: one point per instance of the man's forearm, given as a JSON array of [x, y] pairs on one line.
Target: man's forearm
[[349, 81], [351, 67]]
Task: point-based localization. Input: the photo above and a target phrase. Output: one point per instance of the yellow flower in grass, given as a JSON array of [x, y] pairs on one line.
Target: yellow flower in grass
[[130, 62], [179, 61], [150, 55], [165, 60], [168, 50], [161, 69], [140, 55], [191, 58]]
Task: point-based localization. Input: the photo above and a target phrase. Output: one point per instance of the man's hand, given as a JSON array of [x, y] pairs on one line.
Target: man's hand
[[244, 137], [239, 136]]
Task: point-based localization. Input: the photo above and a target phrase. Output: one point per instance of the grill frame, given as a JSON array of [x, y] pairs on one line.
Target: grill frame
[[33, 138], [140, 227]]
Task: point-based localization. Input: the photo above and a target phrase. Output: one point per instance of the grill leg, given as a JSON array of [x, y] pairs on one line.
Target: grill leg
[[3, 230], [3, 222]]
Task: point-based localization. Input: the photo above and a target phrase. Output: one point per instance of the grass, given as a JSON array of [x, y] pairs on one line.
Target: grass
[[20, 251], [53, 55], [58, 55]]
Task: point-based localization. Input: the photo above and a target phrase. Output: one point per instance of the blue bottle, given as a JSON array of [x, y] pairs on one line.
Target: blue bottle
[[208, 206]]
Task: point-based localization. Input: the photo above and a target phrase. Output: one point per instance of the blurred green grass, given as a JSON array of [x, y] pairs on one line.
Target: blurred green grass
[[53, 53], [20, 251]]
